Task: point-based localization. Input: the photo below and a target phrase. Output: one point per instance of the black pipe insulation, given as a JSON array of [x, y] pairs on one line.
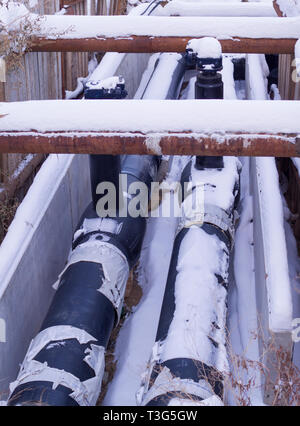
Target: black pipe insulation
[[65, 362], [104, 168], [177, 79], [208, 85]]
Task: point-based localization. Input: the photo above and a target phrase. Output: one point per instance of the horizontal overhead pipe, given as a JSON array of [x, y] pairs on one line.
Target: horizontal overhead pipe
[[164, 33], [257, 145], [81, 118], [148, 44], [191, 127]]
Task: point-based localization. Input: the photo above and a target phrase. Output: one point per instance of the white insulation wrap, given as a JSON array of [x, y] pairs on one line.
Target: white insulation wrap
[[220, 186], [165, 382], [215, 191], [114, 264], [85, 393]]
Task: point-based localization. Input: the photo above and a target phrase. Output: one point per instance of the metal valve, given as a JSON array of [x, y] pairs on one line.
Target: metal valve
[[110, 88]]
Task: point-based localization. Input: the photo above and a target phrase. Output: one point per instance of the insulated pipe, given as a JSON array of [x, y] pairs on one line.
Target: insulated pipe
[[65, 361], [189, 359], [165, 82], [105, 168], [209, 84]]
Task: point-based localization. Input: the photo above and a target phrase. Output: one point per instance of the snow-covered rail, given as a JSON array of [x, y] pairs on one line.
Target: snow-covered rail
[[194, 127], [164, 34]]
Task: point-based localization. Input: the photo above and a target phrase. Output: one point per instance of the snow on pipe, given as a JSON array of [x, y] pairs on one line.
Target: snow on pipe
[[189, 359], [206, 55], [167, 76]]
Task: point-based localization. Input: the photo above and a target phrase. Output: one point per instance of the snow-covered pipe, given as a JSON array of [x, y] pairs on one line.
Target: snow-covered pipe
[[209, 8], [189, 359], [166, 78], [206, 53], [65, 361]]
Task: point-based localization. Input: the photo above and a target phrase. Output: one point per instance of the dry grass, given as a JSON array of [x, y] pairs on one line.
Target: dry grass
[[7, 212], [273, 375], [14, 43], [133, 295]]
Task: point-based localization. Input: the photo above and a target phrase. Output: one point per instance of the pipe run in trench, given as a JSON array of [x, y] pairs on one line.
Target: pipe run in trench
[[189, 361], [65, 362]]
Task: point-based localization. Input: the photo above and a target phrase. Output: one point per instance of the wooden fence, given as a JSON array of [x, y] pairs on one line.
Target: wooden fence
[[46, 76], [289, 83]]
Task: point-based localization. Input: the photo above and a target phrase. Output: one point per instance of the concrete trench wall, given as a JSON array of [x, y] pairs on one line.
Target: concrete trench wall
[[37, 245], [272, 282]]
